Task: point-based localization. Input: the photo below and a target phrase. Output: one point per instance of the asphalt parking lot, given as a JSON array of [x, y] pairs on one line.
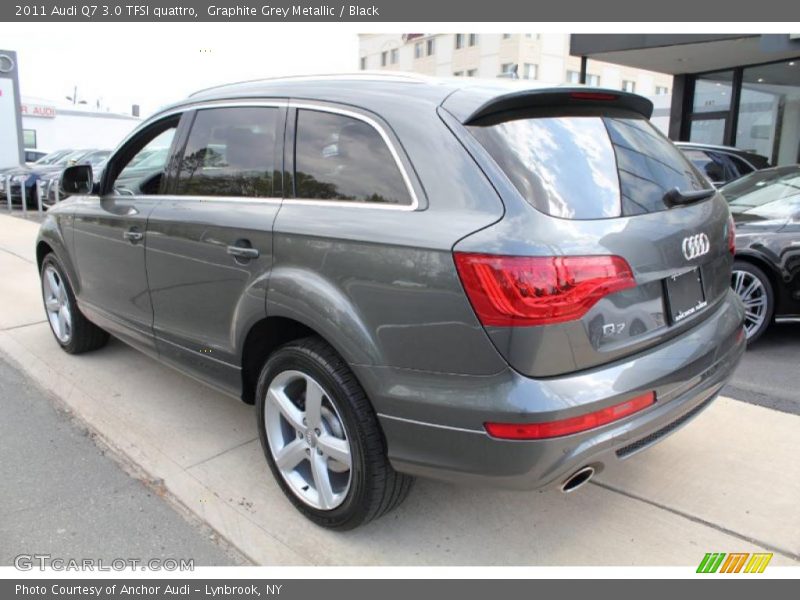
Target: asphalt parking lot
[[68, 496], [769, 374], [727, 482]]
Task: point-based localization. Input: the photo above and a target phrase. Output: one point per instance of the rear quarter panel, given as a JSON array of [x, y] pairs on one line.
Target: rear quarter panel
[[380, 285]]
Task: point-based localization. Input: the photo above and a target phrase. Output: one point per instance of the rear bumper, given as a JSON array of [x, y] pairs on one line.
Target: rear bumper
[[434, 422]]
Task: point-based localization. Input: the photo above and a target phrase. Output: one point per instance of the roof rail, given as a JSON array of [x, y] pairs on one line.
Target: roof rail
[[398, 76]]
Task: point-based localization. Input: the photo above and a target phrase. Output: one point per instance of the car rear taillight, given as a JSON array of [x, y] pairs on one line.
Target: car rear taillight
[[509, 291], [551, 429], [731, 236]]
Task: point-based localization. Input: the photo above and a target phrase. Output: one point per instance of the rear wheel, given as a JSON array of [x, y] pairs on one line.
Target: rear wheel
[[753, 287], [321, 438], [73, 332]]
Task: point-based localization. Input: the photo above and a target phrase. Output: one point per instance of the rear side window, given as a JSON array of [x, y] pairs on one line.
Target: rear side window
[[714, 165], [741, 167], [230, 152], [588, 167], [343, 158]]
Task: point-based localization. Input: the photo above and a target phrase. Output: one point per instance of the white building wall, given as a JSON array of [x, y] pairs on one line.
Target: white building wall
[[79, 131], [549, 51]]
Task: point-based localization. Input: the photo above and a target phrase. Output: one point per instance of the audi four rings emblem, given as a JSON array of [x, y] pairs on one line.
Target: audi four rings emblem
[[695, 246], [6, 63]]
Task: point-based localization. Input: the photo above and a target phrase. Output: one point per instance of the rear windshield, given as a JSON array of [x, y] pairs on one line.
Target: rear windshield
[[589, 167]]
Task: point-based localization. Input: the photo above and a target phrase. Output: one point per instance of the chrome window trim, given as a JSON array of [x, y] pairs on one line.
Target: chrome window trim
[[386, 140], [199, 199], [307, 105]]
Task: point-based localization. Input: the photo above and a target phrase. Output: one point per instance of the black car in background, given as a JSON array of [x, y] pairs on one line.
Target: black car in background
[[766, 273], [30, 175], [722, 164]]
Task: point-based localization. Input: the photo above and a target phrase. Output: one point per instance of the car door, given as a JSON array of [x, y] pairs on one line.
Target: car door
[[109, 239], [209, 249]]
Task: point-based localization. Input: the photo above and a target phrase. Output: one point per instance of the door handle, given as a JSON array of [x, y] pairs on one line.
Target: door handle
[[243, 252], [133, 236]]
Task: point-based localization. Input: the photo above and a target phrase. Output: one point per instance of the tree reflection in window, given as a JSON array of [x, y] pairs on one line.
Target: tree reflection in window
[[230, 152], [345, 159]]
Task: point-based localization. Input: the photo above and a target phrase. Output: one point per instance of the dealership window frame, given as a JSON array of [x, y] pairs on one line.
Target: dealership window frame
[[25, 133], [730, 115]]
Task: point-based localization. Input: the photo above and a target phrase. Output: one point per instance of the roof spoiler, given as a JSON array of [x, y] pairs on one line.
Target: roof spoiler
[[577, 97]]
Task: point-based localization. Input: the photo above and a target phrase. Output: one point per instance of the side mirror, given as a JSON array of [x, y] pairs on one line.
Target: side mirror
[[76, 179]]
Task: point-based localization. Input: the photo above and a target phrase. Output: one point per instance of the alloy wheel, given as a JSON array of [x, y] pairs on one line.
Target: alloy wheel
[[56, 302], [753, 294], [308, 440]]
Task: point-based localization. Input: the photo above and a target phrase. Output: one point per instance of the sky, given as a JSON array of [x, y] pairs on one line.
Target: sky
[[154, 64]]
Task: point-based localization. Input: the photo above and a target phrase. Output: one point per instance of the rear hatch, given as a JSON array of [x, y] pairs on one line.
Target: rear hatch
[[612, 241]]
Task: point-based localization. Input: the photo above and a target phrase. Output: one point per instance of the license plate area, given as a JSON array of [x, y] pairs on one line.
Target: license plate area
[[685, 295]]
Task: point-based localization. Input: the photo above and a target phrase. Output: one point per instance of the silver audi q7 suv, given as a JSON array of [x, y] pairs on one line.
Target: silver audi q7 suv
[[476, 281]]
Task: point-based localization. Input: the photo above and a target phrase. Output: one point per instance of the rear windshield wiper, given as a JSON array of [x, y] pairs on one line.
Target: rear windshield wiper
[[676, 196]]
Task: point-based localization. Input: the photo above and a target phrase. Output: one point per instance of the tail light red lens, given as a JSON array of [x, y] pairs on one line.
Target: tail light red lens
[[551, 429], [509, 291], [731, 236]]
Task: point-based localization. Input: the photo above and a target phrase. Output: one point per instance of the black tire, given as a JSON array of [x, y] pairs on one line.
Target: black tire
[[375, 487], [85, 335], [769, 296]]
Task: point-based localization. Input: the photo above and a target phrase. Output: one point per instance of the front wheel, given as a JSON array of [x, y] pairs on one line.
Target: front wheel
[[73, 332], [754, 289], [321, 437]]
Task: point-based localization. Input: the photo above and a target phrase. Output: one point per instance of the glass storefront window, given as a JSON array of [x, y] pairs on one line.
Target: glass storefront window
[[769, 111], [29, 137], [707, 131], [712, 92]]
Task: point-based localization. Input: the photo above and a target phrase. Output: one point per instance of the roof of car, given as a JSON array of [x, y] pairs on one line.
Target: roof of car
[[371, 90], [731, 149], [756, 160]]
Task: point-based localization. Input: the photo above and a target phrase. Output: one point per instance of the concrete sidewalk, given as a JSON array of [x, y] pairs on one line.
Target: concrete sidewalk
[[728, 482]]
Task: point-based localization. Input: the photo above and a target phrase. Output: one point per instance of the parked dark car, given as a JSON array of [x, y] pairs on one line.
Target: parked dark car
[[479, 282], [766, 273], [29, 176], [722, 164]]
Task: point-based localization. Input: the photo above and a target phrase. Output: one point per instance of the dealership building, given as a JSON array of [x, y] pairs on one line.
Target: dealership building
[[42, 124], [734, 90], [50, 126]]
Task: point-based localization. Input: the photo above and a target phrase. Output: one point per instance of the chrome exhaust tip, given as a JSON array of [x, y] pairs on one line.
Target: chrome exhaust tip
[[577, 479]]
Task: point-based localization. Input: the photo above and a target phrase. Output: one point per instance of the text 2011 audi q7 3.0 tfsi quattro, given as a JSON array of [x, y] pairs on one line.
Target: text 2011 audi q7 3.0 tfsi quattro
[[472, 281]]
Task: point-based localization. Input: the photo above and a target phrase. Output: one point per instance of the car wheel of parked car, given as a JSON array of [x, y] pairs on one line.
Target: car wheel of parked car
[[755, 290], [73, 332], [321, 437]]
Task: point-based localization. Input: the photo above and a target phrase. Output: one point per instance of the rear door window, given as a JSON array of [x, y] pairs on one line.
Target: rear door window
[[343, 158], [741, 167], [230, 152], [588, 167]]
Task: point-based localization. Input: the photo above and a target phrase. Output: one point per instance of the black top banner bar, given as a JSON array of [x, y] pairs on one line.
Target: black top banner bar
[[403, 10]]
